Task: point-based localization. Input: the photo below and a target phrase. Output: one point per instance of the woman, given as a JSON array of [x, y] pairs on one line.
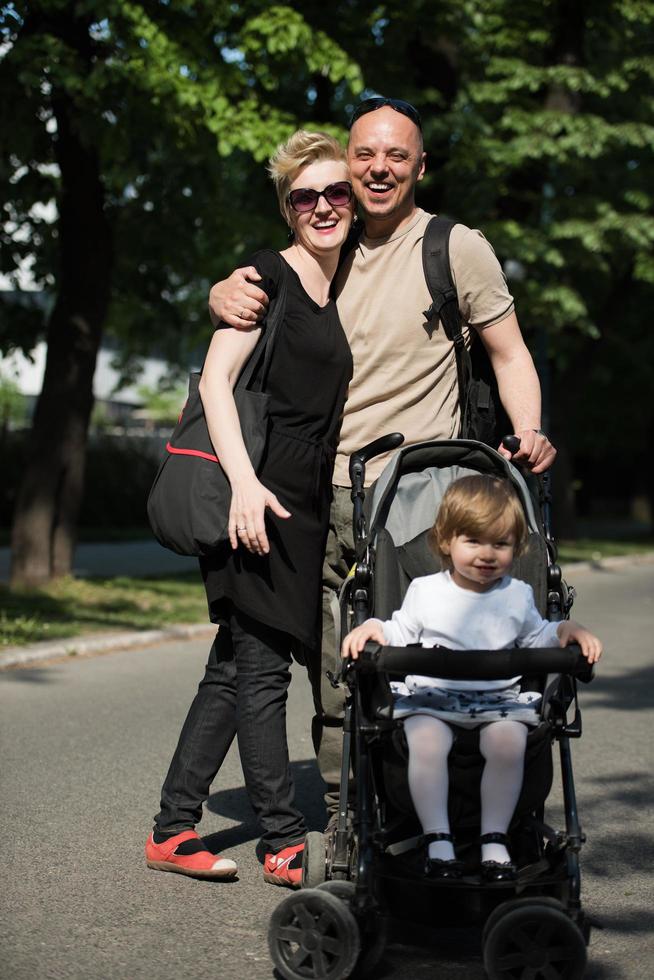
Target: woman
[[264, 587]]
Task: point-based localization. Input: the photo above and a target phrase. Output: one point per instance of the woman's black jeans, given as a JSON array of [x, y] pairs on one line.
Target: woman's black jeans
[[243, 693]]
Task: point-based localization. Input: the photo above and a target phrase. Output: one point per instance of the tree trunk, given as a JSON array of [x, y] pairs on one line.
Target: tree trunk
[[50, 493]]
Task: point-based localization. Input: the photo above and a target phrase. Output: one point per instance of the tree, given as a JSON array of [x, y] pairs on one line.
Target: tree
[[137, 125], [558, 119], [150, 127], [538, 129]]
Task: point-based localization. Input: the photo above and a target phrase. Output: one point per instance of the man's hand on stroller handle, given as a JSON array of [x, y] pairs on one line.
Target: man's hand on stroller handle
[[569, 631], [355, 641], [529, 447]]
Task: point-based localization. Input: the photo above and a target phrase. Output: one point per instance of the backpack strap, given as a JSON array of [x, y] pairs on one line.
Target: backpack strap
[[445, 301], [438, 276], [263, 351]]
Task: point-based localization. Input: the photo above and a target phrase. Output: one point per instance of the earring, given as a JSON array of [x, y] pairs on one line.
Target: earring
[[291, 236]]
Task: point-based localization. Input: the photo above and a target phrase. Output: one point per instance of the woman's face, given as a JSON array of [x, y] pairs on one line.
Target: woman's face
[[325, 227]]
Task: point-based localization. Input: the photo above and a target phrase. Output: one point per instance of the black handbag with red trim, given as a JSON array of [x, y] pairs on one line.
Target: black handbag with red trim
[[188, 505]]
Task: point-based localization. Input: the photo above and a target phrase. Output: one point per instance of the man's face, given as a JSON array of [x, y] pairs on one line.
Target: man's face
[[386, 161]]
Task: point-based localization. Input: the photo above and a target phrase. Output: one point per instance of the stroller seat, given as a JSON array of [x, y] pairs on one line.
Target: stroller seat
[[366, 870], [396, 565]]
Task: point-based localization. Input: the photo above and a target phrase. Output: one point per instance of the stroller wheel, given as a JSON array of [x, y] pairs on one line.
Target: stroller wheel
[[313, 936], [342, 889], [372, 933], [314, 860], [517, 903], [534, 939]]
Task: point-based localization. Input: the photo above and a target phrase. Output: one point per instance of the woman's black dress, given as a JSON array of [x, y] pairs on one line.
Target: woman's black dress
[[309, 372]]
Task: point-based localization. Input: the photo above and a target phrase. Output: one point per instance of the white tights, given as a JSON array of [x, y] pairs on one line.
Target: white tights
[[502, 744]]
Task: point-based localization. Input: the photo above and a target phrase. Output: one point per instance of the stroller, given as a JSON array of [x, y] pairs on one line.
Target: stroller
[[365, 873]]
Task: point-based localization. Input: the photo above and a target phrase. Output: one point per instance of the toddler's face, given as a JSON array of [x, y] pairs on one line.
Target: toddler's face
[[479, 561]]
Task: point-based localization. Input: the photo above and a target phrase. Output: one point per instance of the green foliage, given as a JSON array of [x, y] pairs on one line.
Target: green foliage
[[182, 104], [13, 409], [538, 125], [279, 35], [539, 130], [162, 405], [557, 115]]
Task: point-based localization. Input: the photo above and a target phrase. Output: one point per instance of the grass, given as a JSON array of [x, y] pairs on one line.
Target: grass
[[71, 607], [594, 549]]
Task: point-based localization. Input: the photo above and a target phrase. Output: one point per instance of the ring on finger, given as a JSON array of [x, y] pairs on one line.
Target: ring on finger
[[242, 314], [243, 528]]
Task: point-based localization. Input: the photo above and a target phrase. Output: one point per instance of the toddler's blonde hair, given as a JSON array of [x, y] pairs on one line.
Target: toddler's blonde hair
[[475, 505]]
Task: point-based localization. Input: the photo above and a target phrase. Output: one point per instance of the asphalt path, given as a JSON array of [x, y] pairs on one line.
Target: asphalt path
[[84, 746]]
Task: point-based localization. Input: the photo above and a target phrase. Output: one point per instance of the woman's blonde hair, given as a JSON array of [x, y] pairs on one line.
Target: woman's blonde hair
[[475, 505], [301, 149]]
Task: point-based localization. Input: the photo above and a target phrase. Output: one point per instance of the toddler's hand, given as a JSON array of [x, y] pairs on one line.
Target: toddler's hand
[[355, 641], [571, 632]]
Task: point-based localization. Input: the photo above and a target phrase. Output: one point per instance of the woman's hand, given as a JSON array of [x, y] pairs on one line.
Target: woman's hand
[[355, 641], [250, 499], [570, 632]]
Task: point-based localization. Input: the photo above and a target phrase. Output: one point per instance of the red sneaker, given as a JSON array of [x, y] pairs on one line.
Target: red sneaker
[[201, 864], [285, 867]]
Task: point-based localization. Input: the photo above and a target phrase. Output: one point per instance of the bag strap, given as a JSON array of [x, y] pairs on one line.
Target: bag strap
[[273, 319], [445, 301]]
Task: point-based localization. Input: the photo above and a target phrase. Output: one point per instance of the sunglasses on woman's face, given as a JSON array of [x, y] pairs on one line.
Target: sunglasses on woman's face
[[378, 102], [304, 199]]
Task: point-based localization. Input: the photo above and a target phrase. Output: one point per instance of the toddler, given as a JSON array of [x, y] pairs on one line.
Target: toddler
[[472, 604]]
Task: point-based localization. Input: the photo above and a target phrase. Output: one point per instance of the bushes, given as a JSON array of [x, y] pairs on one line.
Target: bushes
[[119, 474]]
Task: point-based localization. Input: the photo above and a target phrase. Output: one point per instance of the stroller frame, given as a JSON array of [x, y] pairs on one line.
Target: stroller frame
[[356, 862]]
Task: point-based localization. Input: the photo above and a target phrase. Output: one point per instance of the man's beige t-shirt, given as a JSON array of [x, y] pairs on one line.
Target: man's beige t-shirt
[[404, 380]]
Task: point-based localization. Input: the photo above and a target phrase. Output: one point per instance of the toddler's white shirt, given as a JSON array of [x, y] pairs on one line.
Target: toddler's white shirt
[[436, 611]]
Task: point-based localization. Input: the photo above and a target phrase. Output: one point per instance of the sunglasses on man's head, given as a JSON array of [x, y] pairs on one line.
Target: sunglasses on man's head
[[378, 102], [304, 199]]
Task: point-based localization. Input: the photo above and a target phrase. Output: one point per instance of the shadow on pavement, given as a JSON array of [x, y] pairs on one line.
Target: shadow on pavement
[[611, 855], [629, 692], [601, 971], [634, 788], [34, 675], [235, 805], [633, 921]]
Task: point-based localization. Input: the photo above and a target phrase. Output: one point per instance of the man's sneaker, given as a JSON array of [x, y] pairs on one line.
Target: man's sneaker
[[285, 867], [197, 862]]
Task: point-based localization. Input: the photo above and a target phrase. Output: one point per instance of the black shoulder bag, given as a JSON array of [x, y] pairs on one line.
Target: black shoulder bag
[[188, 505]]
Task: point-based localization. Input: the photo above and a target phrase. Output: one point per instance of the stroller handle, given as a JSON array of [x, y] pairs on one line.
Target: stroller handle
[[359, 458], [474, 664]]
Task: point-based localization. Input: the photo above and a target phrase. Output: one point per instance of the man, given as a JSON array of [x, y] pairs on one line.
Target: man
[[404, 379]]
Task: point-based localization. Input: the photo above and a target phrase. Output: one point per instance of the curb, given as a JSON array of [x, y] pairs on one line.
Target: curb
[[104, 643], [110, 642]]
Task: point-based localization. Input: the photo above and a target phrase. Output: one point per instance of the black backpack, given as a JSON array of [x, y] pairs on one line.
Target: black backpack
[[482, 415]]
